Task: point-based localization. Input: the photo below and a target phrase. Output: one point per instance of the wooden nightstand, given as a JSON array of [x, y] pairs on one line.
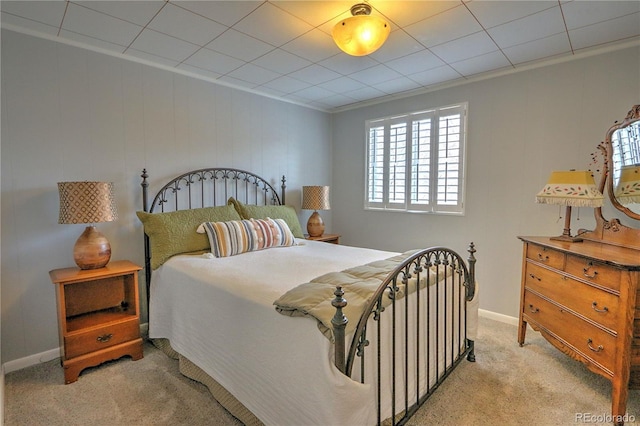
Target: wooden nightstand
[[98, 315], [327, 238]]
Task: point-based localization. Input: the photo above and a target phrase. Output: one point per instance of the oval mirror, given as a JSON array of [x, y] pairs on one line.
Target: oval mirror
[[623, 146]]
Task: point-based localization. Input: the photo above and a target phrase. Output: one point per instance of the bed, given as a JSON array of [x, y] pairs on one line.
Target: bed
[[298, 332]]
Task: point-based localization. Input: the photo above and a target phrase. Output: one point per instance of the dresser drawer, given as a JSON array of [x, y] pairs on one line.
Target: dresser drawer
[[546, 256], [595, 272], [100, 338], [595, 304], [590, 341]]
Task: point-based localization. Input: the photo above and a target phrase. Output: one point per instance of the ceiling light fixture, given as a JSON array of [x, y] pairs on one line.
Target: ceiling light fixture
[[362, 33]]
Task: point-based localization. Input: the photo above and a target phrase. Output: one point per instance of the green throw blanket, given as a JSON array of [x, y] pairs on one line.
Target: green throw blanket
[[359, 285]]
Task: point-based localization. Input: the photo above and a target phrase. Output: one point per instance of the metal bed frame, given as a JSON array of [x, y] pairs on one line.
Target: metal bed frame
[[213, 186]]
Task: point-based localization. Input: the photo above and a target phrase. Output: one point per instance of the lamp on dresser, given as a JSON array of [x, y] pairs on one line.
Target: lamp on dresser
[[315, 198], [89, 203], [628, 187], [571, 188]]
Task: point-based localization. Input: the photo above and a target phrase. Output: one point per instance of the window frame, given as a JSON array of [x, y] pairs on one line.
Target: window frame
[[433, 205]]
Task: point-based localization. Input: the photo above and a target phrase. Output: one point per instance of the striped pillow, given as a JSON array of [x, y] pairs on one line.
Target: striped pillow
[[241, 236]]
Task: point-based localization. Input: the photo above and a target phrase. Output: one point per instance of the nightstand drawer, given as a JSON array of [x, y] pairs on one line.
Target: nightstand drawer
[[595, 272], [595, 304], [589, 340], [99, 338], [546, 256]]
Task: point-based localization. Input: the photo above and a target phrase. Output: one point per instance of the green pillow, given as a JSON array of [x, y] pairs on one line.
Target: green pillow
[[287, 213], [173, 233]]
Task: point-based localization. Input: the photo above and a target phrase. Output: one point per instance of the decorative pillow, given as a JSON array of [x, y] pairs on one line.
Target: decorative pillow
[[287, 213], [240, 236], [173, 233]]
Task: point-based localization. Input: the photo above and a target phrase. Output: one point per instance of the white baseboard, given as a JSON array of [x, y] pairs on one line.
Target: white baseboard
[[46, 356], [498, 317]]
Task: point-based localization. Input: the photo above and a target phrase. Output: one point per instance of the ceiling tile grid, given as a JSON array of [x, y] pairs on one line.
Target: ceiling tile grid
[[284, 49]]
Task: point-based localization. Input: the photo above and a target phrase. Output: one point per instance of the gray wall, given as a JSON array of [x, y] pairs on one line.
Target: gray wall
[[73, 114], [521, 127]]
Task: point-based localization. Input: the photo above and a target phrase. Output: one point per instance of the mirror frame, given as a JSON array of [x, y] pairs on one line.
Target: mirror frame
[[632, 116]]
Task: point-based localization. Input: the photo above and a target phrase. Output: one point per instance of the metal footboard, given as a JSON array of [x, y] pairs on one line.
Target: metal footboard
[[413, 333]]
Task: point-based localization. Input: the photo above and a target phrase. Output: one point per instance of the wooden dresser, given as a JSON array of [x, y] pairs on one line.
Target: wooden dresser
[[584, 298]]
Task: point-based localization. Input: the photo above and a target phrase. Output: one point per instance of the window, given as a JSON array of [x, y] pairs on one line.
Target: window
[[415, 162]]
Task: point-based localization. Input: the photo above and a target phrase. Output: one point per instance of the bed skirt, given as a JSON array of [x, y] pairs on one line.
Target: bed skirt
[[219, 393]]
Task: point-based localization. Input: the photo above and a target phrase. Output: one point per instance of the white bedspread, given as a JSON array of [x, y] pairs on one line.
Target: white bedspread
[[219, 313], [250, 349]]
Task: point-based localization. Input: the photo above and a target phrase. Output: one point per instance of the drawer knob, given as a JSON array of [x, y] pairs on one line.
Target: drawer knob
[[533, 310], [542, 258], [594, 305], [104, 338], [534, 277], [586, 271], [598, 349]]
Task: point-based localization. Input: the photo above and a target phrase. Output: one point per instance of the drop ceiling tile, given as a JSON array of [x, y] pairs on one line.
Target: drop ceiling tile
[[253, 74], [404, 13], [539, 49], [98, 25], [465, 47], [156, 43], [446, 26], [581, 13], [272, 25], [315, 74], [238, 45], [286, 84], [225, 12], [397, 85], [19, 22], [345, 64], [281, 61], [622, 28], [494, 13], [152, 58], [435, 76], [483, 63], [45, 12], [314, 46], [213, 61], [341, 85], [423, 60], [313, 93], [336, 100], [375, 75], [315, 13], [136, 12], [397, 45], [532, 27], [185, 25], [365, 93], [92, 41]]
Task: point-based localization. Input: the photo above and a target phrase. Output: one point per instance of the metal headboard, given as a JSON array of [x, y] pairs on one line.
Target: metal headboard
[[206, 188]]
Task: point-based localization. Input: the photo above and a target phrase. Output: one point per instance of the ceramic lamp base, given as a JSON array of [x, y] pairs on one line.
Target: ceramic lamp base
[[92, 249], [315, 225]]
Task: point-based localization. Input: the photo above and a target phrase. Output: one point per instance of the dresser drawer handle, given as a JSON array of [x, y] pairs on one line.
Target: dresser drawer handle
[[594, 305], [586, 271], [542, 258], [598, 349], [533, 310], [104, 338], [535, 278]]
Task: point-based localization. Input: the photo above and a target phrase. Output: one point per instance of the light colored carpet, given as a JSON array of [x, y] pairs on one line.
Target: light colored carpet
[[508, 385]]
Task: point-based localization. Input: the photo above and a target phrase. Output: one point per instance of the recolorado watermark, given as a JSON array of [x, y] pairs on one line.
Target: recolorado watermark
[[604, 418]]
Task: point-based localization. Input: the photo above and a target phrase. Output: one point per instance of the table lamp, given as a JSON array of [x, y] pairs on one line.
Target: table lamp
[[88, 202], [573, 188], [315, 198], [627, 190]]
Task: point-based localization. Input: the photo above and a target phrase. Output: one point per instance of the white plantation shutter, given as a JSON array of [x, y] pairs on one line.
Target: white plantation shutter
[[415, 162]]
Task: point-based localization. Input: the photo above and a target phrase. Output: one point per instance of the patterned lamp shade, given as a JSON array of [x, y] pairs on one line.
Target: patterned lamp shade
[[575, 188], [315, 198], [86, 202], [627, 190]]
